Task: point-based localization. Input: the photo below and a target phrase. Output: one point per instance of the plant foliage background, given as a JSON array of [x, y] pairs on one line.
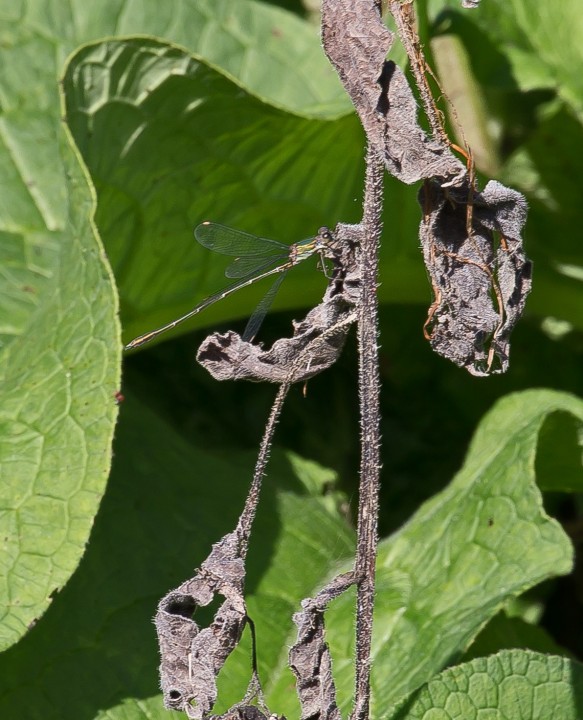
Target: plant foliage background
[[125, 123]]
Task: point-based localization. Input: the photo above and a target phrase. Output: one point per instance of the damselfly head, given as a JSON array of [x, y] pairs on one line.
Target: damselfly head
[[324, 238]]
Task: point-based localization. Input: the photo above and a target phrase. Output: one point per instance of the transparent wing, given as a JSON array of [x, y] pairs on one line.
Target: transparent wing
[[256, 320], [253, 265], [228, 241]]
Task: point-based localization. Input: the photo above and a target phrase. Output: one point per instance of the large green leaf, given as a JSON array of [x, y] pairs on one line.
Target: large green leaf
[[486, 537], [557, 39], [60, 352], [59, 364], [270, 51], [516, 45], [511, 685]]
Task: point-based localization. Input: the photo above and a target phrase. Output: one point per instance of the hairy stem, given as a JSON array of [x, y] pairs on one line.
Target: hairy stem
[[369, 386], [248, 515]]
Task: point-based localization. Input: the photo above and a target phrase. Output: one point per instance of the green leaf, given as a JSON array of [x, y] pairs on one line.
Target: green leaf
[[61, 356], [557, 38], [271, 52], [529, 70], [503, 53], [155, 128], [512, 685]]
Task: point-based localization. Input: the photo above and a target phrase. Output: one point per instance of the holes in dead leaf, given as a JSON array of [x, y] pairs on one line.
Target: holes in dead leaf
[[182, 605]]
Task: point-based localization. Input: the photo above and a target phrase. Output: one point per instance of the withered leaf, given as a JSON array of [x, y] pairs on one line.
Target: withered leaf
[[227, 357], [317, 339], [480, 278], [309, 657], [356, 41], [191, 657], [479, 285]]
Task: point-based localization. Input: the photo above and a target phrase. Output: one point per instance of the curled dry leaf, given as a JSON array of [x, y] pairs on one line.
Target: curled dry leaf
[[190, 657], [317, 339], [309, 657], [357, 42], [479, 272]]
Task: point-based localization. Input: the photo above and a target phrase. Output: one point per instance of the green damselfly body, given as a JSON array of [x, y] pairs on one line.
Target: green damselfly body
[[255, 259]]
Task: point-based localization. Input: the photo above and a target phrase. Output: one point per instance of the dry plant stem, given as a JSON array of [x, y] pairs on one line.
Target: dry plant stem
[[404, 15], [369, 386], [248, 515]]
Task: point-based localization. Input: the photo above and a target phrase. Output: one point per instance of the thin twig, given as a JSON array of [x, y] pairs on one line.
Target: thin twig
[[404, 15], [248, 514], [369, 387]]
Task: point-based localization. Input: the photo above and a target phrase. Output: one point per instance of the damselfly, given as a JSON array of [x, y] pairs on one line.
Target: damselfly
[[255, 258]]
